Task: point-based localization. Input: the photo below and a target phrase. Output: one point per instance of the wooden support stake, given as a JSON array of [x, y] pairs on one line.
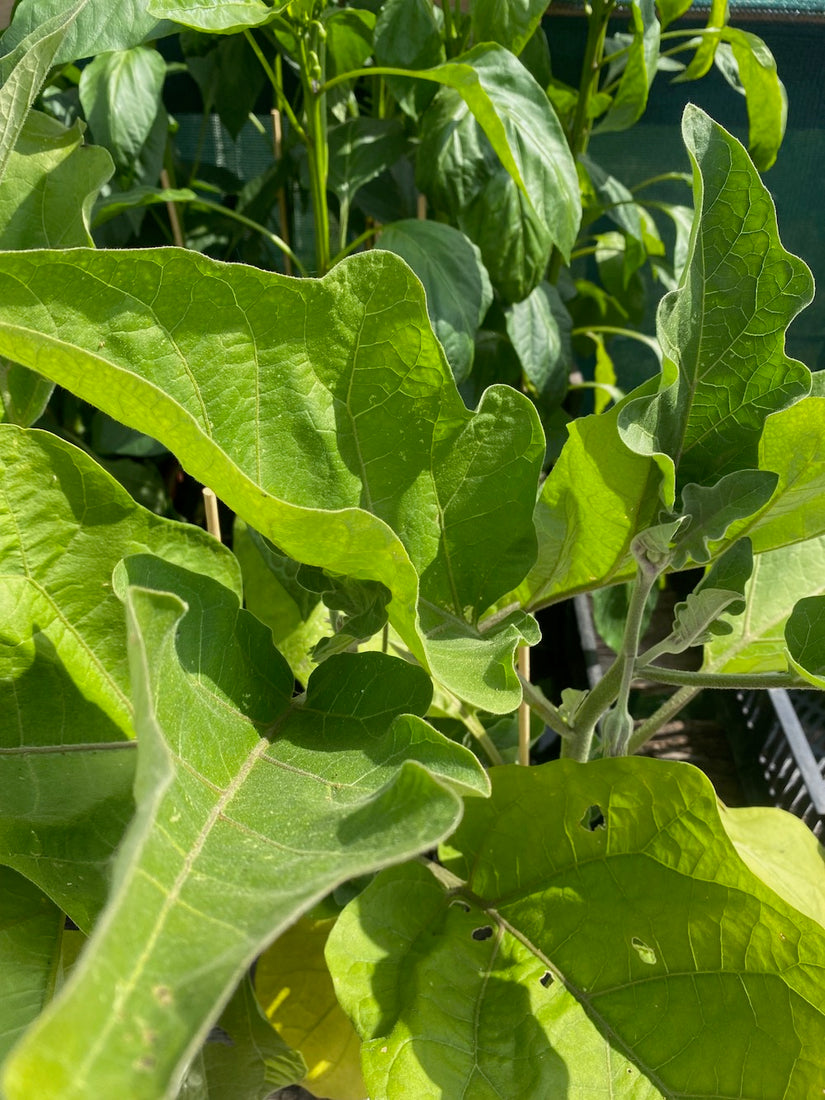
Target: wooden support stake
[[210, 504], [283, 212], [524, 709], [421, 207], [172, 210]]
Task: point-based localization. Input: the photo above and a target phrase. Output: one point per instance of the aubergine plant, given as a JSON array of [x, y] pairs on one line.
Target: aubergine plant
[[218, 765]]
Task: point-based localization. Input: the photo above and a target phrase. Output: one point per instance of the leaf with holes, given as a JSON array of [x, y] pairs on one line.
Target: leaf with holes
[[250, 808], [632, 951], [323, 412]]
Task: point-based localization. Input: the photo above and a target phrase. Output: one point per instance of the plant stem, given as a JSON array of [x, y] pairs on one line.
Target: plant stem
[[645, 580], [524, 706], [481, 735], [243, 220], [283, 102], [315, 109], [642, 734], [594, 705], [549, 714], [734, 681], [373, 231]]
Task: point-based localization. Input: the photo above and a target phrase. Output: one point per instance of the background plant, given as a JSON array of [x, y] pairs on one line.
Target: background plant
[[187, 777]]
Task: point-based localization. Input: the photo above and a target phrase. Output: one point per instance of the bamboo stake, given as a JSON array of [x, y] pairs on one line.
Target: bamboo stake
[[172, 210], [283, 213], [524, 709], [421, 207], [210, 504]]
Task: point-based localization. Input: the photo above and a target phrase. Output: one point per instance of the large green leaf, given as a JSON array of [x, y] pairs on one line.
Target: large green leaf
[[636, 956], [30, 931], [227, 17], [780, 579], [454, 278], [121, 95], [251, 807], [749, 66], [523, 129], [323, 412], [98, 27], [510, 23], [595, 500], [722, 332]]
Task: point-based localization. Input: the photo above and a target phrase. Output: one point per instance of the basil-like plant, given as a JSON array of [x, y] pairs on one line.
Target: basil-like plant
[[199, 772]]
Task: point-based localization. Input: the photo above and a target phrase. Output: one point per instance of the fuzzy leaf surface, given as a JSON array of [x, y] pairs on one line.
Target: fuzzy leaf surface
[[250, 808], [323, 412], [723, 331], [579, 942]]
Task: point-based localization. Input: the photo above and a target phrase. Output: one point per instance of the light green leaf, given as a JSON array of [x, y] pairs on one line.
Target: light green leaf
[[30, 932], [539, 329], [523, 129], [780, 579], [805, 639], [296, 990], [630, 99], [636, 957], [723, 332], [712, 509], [510, 23], [702, 60], [24, 69], [347, 446], [118, 202], [671, 9], [227, 17], [121, 94], [455, 281], [245, 820], [97, 28], [722, 589], [297, 619], [749, 66], [246, 1057], [597, 497], [24, 395]]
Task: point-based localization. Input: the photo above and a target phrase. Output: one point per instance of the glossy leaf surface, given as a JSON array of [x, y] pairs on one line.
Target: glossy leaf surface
[[725, 368], [511, 23], [228, 17], [250, 809], [121, 94], [579, 942], [349, 447]]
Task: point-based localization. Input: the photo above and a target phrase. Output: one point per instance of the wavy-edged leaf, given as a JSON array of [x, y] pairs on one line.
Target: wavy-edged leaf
[[597, 497], [454, 278], [30, 933], [251, 807], [120, 93], [296, 990], [323, 412], [227, 17], [712, 509], [723, 331], [636, 957], [97, 28], [780, 579]]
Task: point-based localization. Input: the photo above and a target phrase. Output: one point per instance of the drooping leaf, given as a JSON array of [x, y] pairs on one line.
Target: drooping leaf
[[295, 988], [718, 14], [539, 330], [630, 99], [780, 579], [597, 497], [121, 95], [407, 36], [97, 28], [725, 368], [30, 929], [228, 74], [671, 9], [750, 67], [638, 955], [244, 1056], [337, 432], [454, 278], [510, 23], [525, 133], [227, 17], [251, 807], [23, 69]]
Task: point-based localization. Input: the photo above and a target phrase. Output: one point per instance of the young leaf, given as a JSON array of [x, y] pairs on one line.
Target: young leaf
[[228, 17], [349, 447], [805, 639], [630, 99], [296, 990], [722, 589], [780, 578], [121, 94], [579, 942], [725, 367], [454, 278], [97, 26], [30, 933], [711, 510], [245, 819], [510, 23]]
